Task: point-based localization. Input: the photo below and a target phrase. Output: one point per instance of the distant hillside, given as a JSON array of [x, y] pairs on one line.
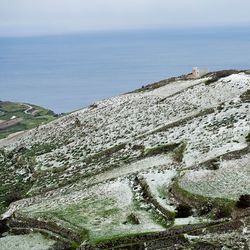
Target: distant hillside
[[15, 117], [164, 167]]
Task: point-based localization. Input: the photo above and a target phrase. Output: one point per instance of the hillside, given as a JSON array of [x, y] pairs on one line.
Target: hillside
[[16, 117], [163, 167]]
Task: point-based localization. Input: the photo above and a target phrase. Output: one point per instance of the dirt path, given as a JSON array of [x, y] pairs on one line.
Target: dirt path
[[28, 110]]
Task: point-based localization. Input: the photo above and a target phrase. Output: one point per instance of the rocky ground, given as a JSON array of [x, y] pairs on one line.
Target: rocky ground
[[163, 167]]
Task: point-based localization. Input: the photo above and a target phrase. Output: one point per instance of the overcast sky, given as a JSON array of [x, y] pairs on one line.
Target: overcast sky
[[37, 17]]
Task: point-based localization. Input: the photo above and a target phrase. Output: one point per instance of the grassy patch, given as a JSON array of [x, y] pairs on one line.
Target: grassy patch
[[39, 149], [29, 121], [105, 153], [97, 216], [161, 149], [163, 192], [221, 207], [15, 181]]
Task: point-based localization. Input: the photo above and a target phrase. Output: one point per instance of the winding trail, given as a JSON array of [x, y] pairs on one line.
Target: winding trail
[[28, 110]]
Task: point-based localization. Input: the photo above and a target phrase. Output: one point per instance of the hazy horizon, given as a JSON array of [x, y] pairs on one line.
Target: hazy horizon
[[52, 17], [68, 72]]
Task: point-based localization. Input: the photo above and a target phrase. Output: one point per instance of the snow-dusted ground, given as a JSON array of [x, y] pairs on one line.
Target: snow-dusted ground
[[174, 88], [34, 241], [88, 158], [190, 220], [102, 209], [158, 184], [231, 180], [239, 239]]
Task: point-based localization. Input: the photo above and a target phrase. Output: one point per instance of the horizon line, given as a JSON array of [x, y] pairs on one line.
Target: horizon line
[[125, 30]]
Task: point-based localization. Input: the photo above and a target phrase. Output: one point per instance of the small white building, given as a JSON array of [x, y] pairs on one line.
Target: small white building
[[197, 73]]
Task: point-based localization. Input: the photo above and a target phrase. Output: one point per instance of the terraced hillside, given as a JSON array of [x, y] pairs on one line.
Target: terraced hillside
[[165, 167]]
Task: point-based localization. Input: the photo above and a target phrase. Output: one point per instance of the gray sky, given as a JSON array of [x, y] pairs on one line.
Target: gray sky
[[37, 17]]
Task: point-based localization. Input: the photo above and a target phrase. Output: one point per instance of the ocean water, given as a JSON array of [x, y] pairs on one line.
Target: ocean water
[[67, 72]]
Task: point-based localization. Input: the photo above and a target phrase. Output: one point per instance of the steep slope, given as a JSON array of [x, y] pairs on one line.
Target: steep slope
[[144, 169]]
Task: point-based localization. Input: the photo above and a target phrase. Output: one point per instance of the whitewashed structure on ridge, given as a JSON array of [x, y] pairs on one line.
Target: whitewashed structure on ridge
[[197, 73]]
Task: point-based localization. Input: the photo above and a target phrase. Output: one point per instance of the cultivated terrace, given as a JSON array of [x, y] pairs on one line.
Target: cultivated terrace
[[164, 167]]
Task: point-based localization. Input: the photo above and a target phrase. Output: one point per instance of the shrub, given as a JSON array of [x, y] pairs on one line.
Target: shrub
[[138, 147], [93, 106], [12, 196], [179, 152], [223, 212], [245, 97], [207, 208], [161, 149], [244, 201], [248, 138], [132, 219], [3, 227], [183, 211], [77, 122]]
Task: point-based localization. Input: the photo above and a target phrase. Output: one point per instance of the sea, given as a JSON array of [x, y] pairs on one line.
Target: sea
[[68, 72]]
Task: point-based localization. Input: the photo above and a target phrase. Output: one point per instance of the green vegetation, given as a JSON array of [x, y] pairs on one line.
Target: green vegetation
[[132, 219], [216, 76], [101, 155], [169, 164], [219, 207], [245, 97], [39, 149], [244, 201], [97, 217], [179, 152], [35, 117], [183, 211], [159, 84], [163, 191], [206, 245], [248, 138], [14, 184], [161, 149]]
